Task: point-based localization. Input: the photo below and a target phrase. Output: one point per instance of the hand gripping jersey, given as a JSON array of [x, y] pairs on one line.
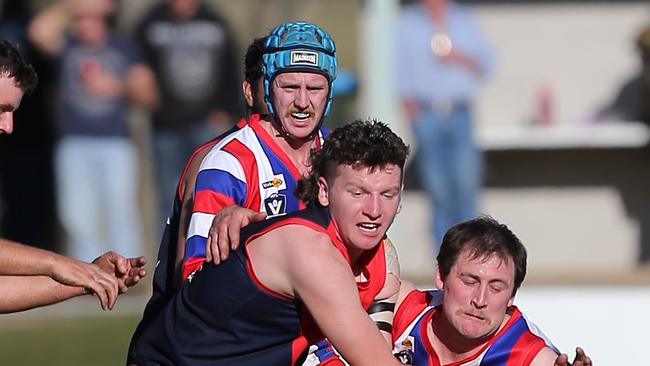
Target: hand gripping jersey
[[247, 168], [516, 344], [223, 315]]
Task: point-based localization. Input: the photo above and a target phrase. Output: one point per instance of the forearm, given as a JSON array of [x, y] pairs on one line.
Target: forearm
[[47, 29], [19, 259], [27, 292]]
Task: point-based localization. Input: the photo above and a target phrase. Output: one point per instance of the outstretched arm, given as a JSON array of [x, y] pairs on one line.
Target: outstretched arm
[[28, 292], [31, 277]]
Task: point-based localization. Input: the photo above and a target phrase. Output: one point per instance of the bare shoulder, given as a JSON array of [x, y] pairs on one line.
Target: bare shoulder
[[545, 357], [294, 257], [301, 239]]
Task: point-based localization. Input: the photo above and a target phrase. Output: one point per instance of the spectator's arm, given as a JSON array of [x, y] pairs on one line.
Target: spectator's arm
[[142, 87], [47, 29]]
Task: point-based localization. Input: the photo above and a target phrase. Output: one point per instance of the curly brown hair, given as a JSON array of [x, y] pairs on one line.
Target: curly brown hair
[[369, 143], [12, 65]]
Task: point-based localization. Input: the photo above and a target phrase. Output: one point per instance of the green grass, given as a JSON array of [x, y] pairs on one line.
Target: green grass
[[77, 341]]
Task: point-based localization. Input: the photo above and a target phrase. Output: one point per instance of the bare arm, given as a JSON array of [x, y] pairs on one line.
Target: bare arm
[[47, 28], [141, 86], [312, 270], [32, 277], [28, 292]]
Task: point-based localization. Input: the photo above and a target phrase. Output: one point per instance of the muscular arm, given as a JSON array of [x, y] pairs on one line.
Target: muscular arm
[[309, 268]]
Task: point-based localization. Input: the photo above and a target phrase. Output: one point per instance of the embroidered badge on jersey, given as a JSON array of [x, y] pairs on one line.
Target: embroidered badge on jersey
[[275, 205]]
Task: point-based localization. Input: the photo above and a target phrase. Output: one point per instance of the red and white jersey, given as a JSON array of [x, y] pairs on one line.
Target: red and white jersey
[[516, 344], [249, 169]]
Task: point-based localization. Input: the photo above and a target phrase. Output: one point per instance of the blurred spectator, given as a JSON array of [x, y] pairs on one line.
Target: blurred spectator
[[633, 100], [30, 146], [443, 58], [99, 73], [190, 49]]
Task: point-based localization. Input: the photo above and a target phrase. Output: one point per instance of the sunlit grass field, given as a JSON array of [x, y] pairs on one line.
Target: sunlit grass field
[[94, 341]]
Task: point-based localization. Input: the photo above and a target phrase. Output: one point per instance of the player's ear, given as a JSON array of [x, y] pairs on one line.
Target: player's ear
[[247, 89], [323, 192], [439, 283]]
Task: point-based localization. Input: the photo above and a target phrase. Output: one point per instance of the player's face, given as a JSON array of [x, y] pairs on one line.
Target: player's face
[[477, 293], [363, 203], [299, 99], [10, 97], [90, 27]]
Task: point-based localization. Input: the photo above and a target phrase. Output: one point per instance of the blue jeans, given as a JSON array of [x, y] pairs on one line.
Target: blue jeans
[[172, 149], [97, 186], [450, 165]]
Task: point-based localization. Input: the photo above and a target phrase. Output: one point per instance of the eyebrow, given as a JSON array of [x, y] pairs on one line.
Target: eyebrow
[[499, 280], [7, 108]]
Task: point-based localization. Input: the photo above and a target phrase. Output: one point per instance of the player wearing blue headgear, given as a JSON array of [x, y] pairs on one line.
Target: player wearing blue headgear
[[296, 278], [257, 167], [295, 53]]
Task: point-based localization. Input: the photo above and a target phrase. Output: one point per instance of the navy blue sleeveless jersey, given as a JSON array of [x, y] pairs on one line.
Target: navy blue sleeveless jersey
[[165, 283], [223, 316]]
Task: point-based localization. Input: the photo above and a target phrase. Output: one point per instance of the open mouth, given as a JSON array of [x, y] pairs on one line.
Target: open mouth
[[300, 116], [368, 227]]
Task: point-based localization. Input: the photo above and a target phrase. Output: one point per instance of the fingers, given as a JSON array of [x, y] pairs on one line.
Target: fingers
[[233, 234], [562, 360], [106, 287], [259, 216], [134, 276], [208, 247], [581, 358], [121, 266], [135, 262]]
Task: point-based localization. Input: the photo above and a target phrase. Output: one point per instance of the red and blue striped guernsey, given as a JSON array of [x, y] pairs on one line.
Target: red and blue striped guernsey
[[247, 168], [516, 344]]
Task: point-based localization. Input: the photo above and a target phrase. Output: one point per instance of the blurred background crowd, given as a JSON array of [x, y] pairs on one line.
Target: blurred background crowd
[[535, 112], [539, 122]]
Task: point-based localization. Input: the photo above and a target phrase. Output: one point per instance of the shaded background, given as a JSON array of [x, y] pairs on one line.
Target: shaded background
[[574, 189]]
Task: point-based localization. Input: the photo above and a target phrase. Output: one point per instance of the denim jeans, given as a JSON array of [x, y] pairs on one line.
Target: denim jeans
[[97, 185], [172, 149], [450, 166]]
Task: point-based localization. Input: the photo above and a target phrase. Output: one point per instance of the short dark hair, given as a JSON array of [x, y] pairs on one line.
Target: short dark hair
[[368, 143], [253, 72], [12, 65], [482, 236], [253, 60]]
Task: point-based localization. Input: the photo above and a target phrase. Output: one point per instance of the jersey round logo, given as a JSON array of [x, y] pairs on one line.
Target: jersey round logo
[[275, 205]]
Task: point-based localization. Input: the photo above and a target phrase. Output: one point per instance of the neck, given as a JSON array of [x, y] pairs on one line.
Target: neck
[[450, 345], [298, 150]]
